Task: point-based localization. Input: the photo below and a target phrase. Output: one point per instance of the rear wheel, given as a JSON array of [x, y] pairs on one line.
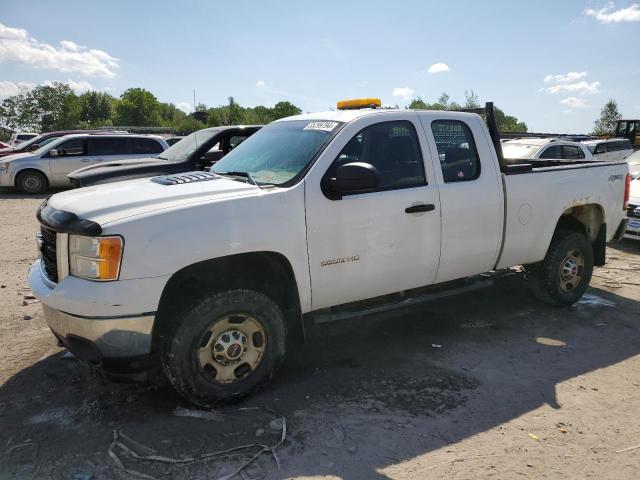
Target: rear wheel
[[564, 275], [224, 346], [31, 182]]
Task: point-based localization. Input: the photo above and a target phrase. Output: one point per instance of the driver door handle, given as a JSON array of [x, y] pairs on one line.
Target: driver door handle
[[423, 207]]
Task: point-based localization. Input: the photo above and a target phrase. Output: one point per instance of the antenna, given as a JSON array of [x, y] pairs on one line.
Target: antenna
[[194, 100]]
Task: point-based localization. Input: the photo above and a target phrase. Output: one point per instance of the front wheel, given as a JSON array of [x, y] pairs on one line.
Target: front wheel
[[31, 182], [564, 275], [224, 346]]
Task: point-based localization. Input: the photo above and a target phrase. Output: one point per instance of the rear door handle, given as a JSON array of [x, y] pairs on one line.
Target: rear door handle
[[423, 207]]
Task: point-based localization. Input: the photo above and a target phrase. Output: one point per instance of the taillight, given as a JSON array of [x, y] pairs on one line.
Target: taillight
[[627, 190]]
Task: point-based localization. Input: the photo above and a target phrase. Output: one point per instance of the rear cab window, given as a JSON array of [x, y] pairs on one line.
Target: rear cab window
[[457, 150]]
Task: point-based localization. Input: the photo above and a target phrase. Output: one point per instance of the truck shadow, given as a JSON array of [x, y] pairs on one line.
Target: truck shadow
[[358, 397]]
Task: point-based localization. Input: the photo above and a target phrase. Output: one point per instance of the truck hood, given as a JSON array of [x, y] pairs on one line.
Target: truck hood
[[107, 203]]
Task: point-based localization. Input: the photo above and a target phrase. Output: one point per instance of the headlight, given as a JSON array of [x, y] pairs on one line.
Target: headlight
[[95, 258]]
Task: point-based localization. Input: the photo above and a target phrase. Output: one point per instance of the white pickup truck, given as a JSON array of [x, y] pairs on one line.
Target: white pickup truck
[[318, 217]]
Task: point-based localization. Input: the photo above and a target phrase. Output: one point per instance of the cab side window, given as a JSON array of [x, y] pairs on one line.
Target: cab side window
[[600, 148], [456, 150], [570, 152], [391, 147], [553, 152], [236, 140], [108, 146], [71, 148], [141, 146]]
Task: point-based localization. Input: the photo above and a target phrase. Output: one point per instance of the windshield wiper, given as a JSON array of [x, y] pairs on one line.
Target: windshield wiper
[[246, 175]]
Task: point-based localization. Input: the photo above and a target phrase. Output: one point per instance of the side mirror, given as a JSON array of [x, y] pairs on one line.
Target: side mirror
[[355, 177], [54, 153]]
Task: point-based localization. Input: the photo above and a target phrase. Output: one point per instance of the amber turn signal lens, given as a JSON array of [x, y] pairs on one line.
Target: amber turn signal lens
[[109, 256]]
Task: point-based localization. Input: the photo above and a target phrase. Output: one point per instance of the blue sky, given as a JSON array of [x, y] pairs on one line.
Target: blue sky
[[315, 53]]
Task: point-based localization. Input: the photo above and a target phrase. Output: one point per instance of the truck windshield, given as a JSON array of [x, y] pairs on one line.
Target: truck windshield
[[183, 149], [519, 150], [279, 151]]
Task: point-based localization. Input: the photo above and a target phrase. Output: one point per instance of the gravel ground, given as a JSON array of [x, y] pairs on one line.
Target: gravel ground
[[491, 384]]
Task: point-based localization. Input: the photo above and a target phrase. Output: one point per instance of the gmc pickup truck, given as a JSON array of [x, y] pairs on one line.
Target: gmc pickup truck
[[315, 217]]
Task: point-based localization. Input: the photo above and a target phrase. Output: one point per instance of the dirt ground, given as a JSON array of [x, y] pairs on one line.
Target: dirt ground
[[491, 384]]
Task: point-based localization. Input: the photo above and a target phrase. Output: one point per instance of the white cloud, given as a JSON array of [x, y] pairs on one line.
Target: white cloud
[[574, 102], [78, 87], [608, 14], [403, 92], [439, 68], [260, 83], [185, 107], [16, 45], [581, 88], [7, 88], [565, 78]]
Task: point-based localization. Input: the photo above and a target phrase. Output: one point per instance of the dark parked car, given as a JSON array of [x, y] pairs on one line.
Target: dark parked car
[[41, 140], [197, 151]]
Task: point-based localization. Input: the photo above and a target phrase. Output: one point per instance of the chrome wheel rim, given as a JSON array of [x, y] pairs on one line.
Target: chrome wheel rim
[[571, 269], [231, 348]]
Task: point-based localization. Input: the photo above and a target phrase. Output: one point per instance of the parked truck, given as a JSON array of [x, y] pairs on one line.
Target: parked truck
[[316, 217], [629, 129]]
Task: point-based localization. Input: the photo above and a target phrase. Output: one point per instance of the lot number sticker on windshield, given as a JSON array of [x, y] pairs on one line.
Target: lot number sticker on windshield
[[322, 126]]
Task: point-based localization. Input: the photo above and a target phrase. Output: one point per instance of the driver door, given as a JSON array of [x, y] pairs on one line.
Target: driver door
[[370, 244]]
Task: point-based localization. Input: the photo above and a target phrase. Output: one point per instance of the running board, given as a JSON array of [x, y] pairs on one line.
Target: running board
[[347, 311]]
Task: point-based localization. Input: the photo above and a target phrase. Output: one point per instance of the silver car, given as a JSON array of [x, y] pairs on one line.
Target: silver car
[[34, 172]]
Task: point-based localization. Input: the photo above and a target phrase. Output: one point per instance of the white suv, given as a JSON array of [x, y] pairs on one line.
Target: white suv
[[34, 172], [610, 149]]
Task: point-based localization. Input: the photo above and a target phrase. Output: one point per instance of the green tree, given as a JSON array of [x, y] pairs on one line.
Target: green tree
[[96, 108], [609, 116], [285, 109], [471, 99], [418, 104], [138, 107], [52, 107], [508, 123]]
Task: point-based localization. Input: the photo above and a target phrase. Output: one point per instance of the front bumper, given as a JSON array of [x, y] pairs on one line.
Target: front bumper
[[102, 337], [111, 338]]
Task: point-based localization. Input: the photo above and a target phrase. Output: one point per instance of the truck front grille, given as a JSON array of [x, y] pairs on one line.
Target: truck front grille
[[48, 253]]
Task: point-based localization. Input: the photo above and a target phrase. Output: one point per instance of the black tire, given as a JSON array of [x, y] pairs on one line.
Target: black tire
[[32, 182], [180, 347], [551, 286]]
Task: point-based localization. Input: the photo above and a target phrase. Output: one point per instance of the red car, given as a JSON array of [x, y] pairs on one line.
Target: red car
[[40, 140], [4, 145]]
